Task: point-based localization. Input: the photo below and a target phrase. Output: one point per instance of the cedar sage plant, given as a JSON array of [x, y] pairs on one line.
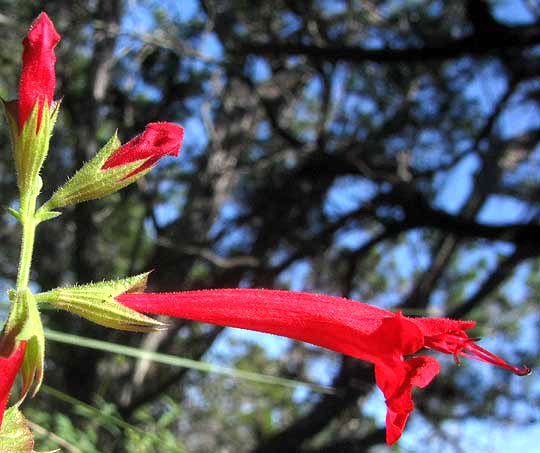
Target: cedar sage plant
[[31, 120], [381, 337]]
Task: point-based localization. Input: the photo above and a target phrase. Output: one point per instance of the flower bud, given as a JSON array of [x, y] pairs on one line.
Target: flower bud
[[38, 77], [157, 140], [116, 166]]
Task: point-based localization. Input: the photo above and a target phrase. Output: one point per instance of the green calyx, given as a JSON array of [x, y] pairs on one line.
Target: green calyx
[[15, 434], [92, 182], [96, 302], [30, 145], [24, 324]]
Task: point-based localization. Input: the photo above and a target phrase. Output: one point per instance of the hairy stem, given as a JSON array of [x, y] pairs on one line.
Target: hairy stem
[[29, 224]]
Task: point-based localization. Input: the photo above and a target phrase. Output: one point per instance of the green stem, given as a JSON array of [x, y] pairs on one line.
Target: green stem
[[21, 303], [29, 224]]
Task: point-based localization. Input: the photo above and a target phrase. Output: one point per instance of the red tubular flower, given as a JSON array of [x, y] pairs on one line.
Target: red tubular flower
[[38, 77], [359, 330], [9, 367], [157, 140]]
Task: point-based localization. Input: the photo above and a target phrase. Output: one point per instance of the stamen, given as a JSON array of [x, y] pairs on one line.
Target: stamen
[[459, 345], [484, 355]]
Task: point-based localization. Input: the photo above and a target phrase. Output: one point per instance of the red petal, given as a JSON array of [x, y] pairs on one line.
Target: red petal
[[396, 382], [342, 325], [157, 140], [38, 77], [346, 326], [436, 326], [9, 367], [422, 370], [395, 424]]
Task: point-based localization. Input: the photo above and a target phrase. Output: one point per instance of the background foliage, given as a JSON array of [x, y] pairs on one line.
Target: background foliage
[[379, 150]]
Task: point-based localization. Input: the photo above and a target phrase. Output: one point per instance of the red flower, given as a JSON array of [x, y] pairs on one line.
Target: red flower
[[9, 367], [157, 140], [359, 330], [38, 77]]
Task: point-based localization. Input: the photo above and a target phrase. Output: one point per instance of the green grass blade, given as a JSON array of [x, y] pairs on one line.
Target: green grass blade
[[182, 362], [96, 414]]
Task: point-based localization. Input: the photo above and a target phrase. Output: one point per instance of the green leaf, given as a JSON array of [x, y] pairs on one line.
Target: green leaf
[[14, 213], [96, 302], [47, 215]]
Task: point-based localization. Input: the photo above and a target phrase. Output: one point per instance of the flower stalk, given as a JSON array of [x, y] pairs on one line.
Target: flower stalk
[[29, 224]]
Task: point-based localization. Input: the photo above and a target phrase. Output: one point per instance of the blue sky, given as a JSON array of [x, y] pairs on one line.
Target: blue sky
[[479, 435]]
